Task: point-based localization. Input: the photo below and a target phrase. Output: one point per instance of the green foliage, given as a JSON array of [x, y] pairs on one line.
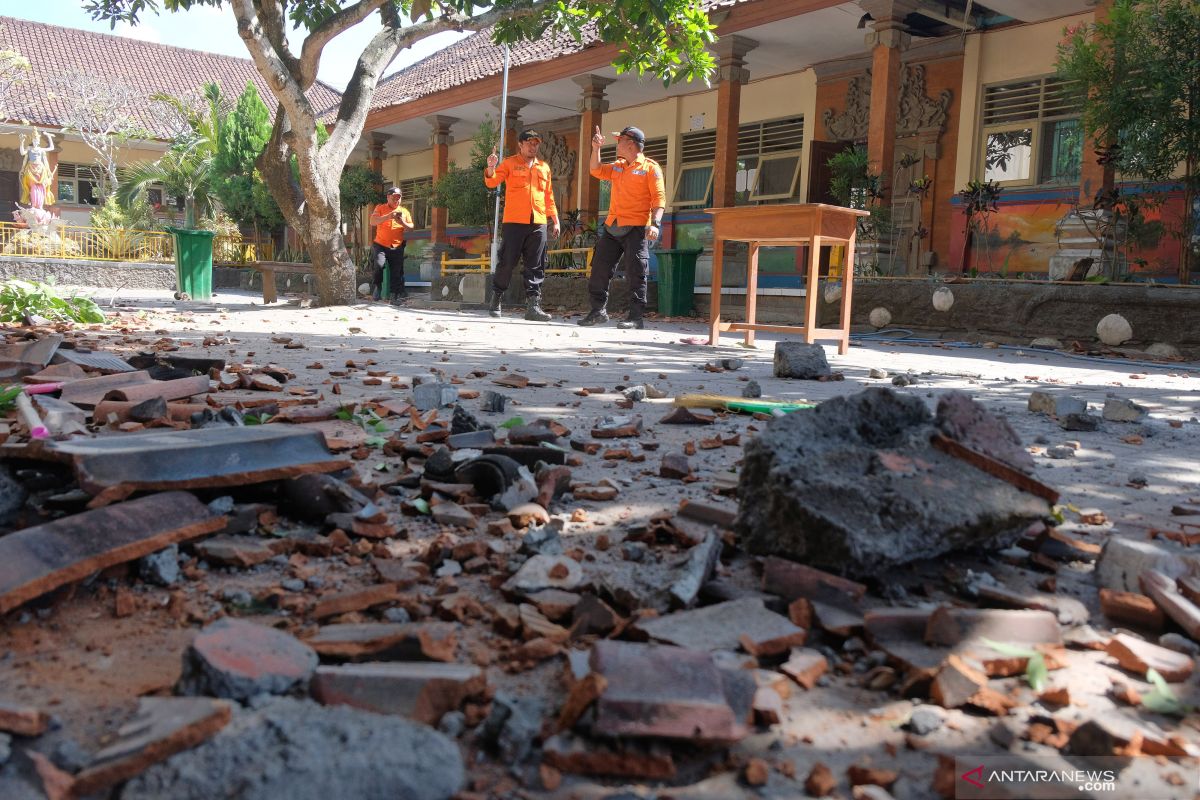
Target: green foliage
[[8, 396], [225, 243], [185, 170], [1161, 699], [369, 421], [359, 186], [1138, 74], [236, 181], [461, 190], [20, 299], [122, 232]]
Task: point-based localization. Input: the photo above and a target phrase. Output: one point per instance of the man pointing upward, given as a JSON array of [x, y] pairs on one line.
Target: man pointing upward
[[528, 204]]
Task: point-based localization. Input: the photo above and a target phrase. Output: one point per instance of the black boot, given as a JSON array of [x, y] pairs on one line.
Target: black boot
[[494, 308], [597, 316], [633, 319], [533, 311]]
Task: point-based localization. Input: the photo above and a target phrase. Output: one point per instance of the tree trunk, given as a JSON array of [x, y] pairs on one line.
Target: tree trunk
[[332, 265]]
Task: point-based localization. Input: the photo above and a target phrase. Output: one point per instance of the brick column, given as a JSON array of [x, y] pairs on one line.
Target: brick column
[[1093, 177], [511, 122], [732, 74], [440, 140], [887, 42], [375, 150], [592, 106]]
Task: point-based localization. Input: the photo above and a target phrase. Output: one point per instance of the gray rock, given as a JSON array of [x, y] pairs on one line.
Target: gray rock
[[904, 380], [453, 723], [237, 660], [161, 568], [512, 726], [302, 751], [924, 720], [961, 418], [69, 754], [1118, 410], [5, 748], [428, 396], [1138, 479], [1180, 644], [800, 360], [1041, 402], [492, 401], [1060, 451], [1123, 561], [855, 485], [1046, 343], [877, 373], [701, 561], [1065, 405], [1079, 422], [752, 390], [635, 393], [1163, 350], [541, 572], [397, 615], [543, 540], [292, 584], [731, 364], [449, 569]]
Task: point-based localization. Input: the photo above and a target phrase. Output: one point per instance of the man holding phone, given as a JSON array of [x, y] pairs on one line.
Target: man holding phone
[[391, 221]]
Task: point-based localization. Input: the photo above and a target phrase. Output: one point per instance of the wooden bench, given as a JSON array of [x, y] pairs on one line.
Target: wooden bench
[[268, 270]]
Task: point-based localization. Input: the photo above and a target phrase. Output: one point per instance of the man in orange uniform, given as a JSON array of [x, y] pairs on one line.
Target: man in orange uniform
[[391, 220], [634, 220], [528, 205]]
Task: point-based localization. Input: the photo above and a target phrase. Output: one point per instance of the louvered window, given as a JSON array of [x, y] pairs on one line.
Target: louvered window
[[693, 182], [769, 157], [416, 199], [655, 149], [1031, 132], [78, 184]]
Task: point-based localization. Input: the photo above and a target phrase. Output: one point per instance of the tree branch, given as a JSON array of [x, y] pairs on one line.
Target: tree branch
[[271, 65], [274, 23], [314, 43], [382, 50]]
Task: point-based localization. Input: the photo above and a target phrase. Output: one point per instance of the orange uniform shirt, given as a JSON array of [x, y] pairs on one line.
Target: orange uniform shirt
[[527, 192], [637, 189], [390, 233]]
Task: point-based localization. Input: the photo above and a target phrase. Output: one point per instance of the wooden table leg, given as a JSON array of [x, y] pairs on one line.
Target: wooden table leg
[[847, 291], [714, 306], [812, 289], [751, 291], [269, 295]]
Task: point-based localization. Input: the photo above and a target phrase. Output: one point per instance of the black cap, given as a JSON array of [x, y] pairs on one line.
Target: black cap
[[633, 133], [529, 134]]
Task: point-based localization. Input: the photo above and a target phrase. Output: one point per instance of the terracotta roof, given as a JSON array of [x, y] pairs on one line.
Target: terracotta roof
[[477, 57], [145, 66]]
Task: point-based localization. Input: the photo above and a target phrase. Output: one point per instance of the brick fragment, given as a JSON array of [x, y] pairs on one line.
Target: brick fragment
[[356, 600], [1132, 609], [805, 667], [422, 691], [1137, 656], [23, 720], [820, 781]]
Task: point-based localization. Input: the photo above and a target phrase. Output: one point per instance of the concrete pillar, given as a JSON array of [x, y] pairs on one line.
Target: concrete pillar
[[375, 150], [887, 42], [732, 75], [511, 122], [440, 140], [592, 106]]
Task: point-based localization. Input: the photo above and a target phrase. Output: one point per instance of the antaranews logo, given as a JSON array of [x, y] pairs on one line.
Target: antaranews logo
[[1035, 777]]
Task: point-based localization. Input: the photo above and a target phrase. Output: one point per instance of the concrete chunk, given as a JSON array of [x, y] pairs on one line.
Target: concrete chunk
[[800, 360]]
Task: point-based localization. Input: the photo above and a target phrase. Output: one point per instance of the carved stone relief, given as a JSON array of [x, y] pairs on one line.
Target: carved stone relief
[[918, 111], [853, 123], [562, 162]]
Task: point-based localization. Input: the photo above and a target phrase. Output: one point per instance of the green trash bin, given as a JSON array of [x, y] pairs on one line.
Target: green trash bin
[[676, 281], [193, 262]]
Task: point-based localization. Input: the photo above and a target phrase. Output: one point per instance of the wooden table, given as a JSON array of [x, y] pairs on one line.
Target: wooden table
[[812, 224]]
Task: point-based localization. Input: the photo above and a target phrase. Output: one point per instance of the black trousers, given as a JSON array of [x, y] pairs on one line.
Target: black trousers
[[626, 244], [527, 242], [392, 257]]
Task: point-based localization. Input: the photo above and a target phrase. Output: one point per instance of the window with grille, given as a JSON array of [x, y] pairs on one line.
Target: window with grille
[[693, 182], [1031, 132], [655, 149], [416, 199]]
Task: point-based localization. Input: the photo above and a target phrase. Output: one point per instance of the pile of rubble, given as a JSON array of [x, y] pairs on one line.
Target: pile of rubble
[[424, 589]]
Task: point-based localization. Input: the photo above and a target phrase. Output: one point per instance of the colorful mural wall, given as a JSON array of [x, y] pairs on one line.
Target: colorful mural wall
[[1032, 227]]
